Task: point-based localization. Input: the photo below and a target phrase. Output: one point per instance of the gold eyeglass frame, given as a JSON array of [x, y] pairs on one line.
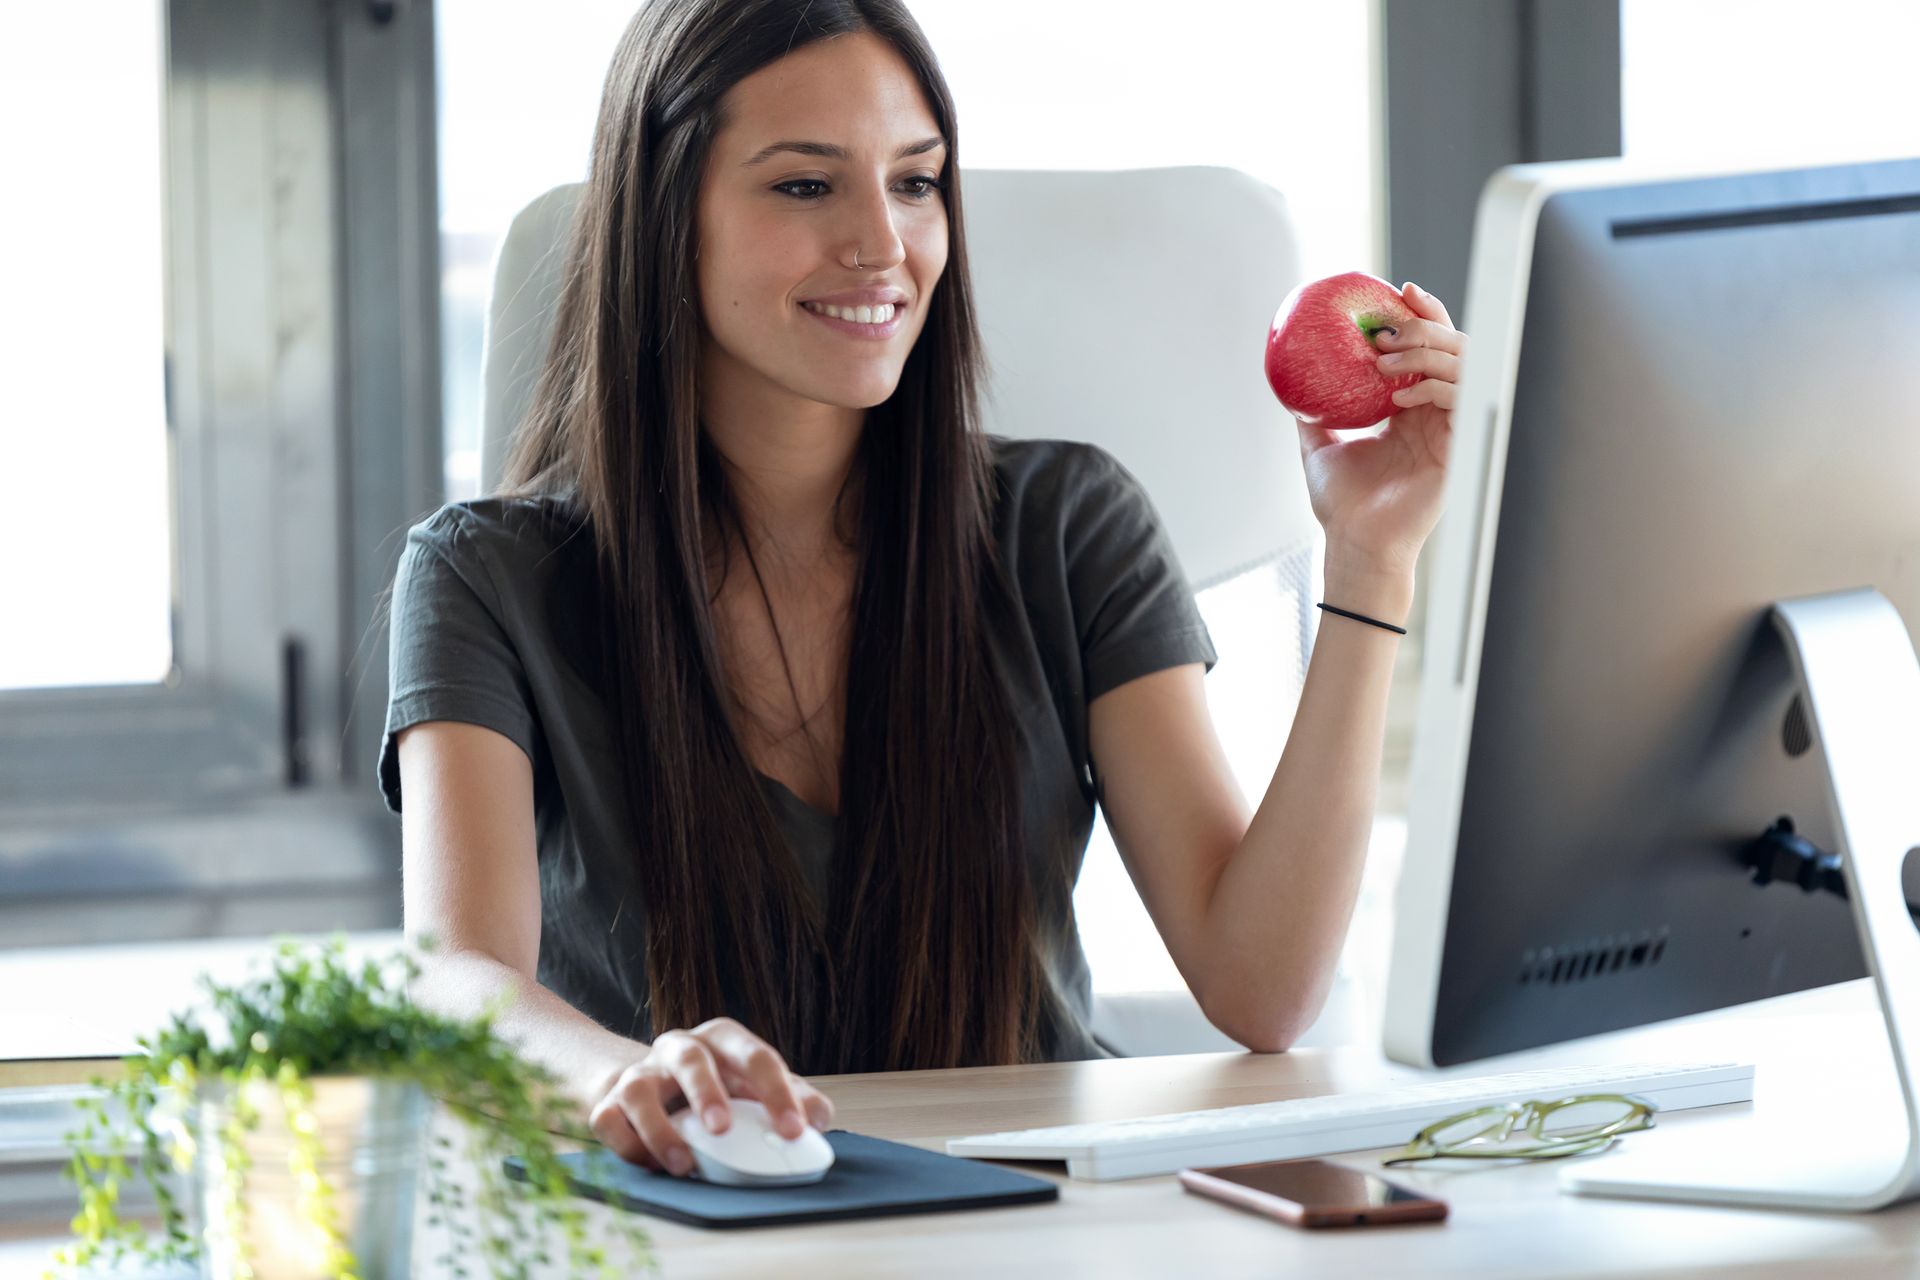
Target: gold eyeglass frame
[[1505, 1117]]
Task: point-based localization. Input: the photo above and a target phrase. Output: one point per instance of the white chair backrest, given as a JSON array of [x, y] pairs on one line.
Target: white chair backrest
[[1128, 308]]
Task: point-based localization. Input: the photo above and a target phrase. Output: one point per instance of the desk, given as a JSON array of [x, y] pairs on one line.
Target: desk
[[1505, 1222]]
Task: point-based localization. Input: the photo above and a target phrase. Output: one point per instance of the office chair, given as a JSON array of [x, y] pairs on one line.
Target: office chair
[[1127, 308]]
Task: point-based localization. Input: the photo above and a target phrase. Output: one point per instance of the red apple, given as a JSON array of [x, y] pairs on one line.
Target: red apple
[[1320, 352]]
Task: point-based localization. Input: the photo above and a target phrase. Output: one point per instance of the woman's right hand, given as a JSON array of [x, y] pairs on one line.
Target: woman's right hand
[[701, 1068]]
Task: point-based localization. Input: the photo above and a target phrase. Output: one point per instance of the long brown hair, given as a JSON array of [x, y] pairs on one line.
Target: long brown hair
[[928, 955]]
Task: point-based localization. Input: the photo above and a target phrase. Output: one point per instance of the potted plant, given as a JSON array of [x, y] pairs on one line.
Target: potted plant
[[303, 1115]]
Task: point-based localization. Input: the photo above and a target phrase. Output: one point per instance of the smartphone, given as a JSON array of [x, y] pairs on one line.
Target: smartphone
[[1313, 1193]]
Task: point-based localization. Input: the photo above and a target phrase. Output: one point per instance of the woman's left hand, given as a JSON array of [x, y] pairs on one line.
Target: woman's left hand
[[1378, 497]]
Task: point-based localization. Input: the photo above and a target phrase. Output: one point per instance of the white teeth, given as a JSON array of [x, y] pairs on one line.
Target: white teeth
[[859, 315]]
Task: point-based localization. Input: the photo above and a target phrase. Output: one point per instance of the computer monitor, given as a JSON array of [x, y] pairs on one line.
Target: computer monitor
[[1685, 397]]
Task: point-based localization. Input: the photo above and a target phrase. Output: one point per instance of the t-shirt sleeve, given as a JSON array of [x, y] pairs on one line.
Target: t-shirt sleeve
[[1132, 604], [449, 656]]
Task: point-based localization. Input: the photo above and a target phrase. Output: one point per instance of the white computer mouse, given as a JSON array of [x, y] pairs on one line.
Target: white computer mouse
[[752, 1153]]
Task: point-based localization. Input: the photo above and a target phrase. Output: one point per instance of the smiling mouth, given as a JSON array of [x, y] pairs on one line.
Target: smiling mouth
[[875, 315]]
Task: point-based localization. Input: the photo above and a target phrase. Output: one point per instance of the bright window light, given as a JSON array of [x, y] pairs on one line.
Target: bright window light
[[1769, 82], [86, 578]]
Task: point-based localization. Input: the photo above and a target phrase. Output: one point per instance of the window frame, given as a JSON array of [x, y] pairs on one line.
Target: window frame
[[303, 433]]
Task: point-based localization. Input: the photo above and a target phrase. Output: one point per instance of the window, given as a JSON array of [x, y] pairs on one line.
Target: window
[[1768, 82], [497, 152], [85, 267], [1281, 90], [205, 365]]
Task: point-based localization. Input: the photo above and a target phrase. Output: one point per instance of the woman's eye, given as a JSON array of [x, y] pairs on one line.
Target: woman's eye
[[922, 187], [800, 182]]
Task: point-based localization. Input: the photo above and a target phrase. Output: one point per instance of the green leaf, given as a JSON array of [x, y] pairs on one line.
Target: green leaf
[[314, 1015]]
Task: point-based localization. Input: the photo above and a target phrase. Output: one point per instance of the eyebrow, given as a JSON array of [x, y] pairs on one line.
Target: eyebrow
[[832, 152]]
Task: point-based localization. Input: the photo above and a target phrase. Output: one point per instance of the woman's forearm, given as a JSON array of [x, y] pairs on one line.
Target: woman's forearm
[[1280, 909], [544, 1028]]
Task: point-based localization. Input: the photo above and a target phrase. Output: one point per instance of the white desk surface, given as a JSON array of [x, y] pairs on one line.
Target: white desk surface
[[1504, 1221]]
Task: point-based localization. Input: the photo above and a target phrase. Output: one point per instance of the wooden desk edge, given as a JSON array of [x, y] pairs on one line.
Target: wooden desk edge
[[27, 1073]]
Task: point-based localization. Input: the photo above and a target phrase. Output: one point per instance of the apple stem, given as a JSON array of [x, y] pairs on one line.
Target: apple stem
[[1369, 328]]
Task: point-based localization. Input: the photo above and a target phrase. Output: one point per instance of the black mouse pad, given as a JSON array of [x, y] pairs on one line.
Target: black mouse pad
[[870, 1178]]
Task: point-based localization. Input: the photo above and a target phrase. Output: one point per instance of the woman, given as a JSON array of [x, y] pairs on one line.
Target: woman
[[755, 728]]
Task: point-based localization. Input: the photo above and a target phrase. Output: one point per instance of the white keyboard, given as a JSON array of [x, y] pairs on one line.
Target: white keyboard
[[1297, 1127]]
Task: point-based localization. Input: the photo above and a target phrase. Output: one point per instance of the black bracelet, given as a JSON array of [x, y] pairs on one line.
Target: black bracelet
[[1360, 617]]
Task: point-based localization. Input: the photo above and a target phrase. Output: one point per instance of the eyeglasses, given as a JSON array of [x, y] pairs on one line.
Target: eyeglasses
[[1563, 1127]]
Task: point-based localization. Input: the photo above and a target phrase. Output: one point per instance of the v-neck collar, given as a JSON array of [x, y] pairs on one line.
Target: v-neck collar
[[791, 794]]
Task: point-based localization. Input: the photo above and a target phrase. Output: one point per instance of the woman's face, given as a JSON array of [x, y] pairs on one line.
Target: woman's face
[[779, 230]]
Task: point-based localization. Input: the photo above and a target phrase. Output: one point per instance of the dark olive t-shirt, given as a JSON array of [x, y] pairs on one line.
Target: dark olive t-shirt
[[482, 633]]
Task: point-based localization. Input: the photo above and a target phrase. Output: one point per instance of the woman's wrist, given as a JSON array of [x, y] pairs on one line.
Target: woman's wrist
[[1359, 583], [597, 1078]]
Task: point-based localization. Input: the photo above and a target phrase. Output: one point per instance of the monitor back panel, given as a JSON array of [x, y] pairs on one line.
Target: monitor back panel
[[1717, 406]]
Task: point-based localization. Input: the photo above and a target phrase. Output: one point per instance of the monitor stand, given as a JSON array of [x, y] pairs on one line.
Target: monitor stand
[[1861, 681]]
